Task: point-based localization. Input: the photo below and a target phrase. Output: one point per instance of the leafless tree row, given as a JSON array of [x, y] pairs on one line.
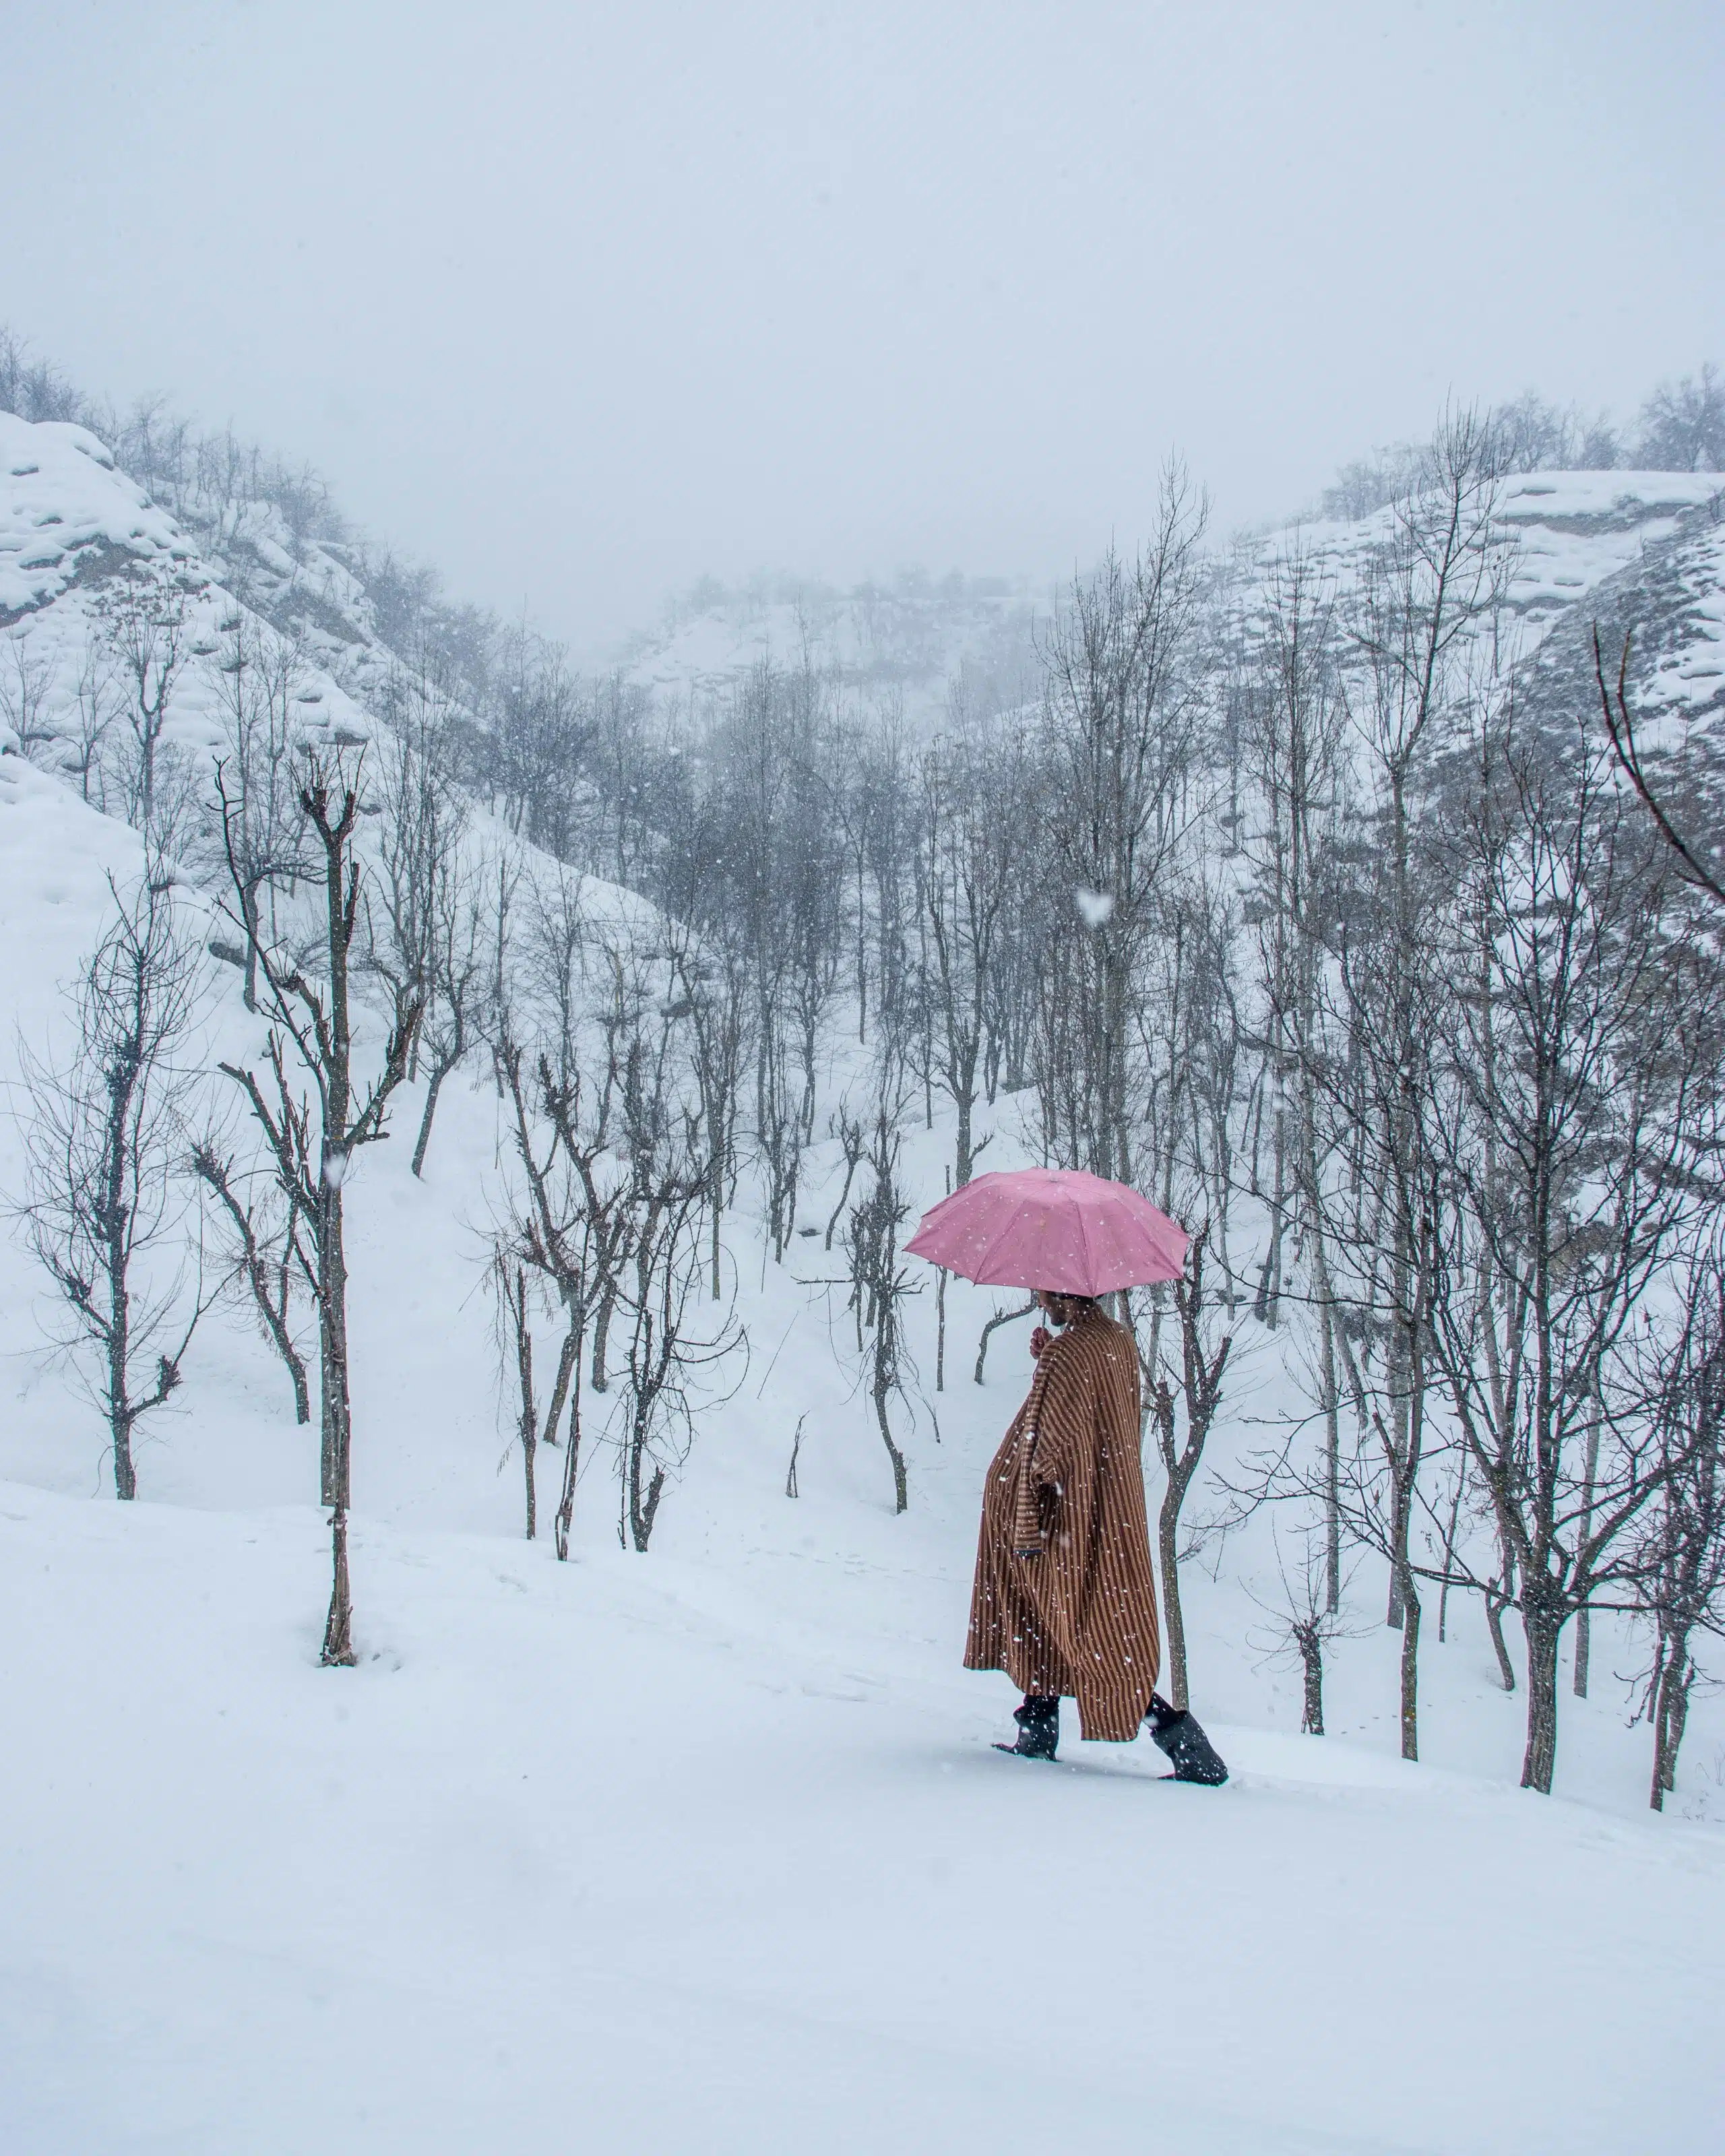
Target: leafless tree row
[[1281, 896]]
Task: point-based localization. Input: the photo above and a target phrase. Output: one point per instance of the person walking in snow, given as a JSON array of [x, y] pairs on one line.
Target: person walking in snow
[[1065, 1598]]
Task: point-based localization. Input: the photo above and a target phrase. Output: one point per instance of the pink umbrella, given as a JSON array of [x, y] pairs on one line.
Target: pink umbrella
[[1051, 1228]]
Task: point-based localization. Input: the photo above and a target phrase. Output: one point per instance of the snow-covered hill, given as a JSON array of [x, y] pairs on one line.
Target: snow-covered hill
[[707, 1850], [893, 649], [1570, 538], [896, 646]]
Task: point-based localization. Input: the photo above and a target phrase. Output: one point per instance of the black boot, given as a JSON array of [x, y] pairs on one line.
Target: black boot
[[1038, 1721], [1178, 1733]]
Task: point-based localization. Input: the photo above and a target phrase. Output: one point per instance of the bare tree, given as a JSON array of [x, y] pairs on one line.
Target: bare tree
[[314, 1116], [1424, 608], [1579, 1098], [146, 627], [454, 987], [1123, 668], [1683, 425], [106, 1144], [422, 818], [96, 705], [662, 1355], [714, 991], [1293, 735], [260, 678], [1680, 1553], [853, 1149], [1302, 1622], [973, 829], [1203, 1359], [571, 1227], [26, 682], [879, 1286], [510, 1283], [264, 1254]]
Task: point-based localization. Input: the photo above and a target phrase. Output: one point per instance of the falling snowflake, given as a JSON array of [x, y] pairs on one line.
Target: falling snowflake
[[1094, 906]]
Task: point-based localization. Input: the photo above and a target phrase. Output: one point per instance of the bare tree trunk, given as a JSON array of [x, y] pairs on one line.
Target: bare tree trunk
[[571, 1459], [1543, 1629], [119, 1416], [1312, 1663], [337, 1415], [1450, 1549], [643, 1508], [1268, 1295], [1330, 1379], [1410, 1668], [126, 1481], [790, 1479], [332, 1342], [524, 1373], [1496, 1603], [1167, 1529], [1583, 1616], [900, 1482], [249, 909], [338, 1631], [601, 1335], [440, 1070], [1674, 1673]]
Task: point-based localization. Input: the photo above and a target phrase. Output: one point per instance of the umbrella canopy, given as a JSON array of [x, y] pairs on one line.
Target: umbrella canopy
[[1057, 1228]]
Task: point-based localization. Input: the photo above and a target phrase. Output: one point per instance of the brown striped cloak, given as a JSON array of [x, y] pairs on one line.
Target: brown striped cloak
[[1065, 1600]]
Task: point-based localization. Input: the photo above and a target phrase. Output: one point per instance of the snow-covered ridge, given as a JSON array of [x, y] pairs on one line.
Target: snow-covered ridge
[[895, 647], [67, 514], [1575, 530], [71, 524], [1567, 532]]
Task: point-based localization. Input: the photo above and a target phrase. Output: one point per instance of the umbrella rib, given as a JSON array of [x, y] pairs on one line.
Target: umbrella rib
[[1009, 1228], [1090, 1255]]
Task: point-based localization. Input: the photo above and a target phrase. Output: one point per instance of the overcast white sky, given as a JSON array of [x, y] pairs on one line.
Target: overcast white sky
[[580, 301]]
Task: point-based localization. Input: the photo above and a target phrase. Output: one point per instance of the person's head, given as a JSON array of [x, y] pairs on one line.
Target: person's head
[[1062, 1309]]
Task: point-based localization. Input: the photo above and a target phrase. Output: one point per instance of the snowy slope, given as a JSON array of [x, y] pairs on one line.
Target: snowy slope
[[71, 526], [713, 1856], [1668, 596], [67, 515], [894, 646], [708, 1849], [1568, 535]]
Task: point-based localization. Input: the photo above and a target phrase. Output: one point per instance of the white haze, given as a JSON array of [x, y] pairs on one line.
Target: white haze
[[582, 303]]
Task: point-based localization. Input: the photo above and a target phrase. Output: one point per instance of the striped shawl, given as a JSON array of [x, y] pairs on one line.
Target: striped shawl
[[1065, 1600]]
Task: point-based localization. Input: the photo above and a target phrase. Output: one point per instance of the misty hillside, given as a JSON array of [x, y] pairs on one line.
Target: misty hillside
[[678, 1823]]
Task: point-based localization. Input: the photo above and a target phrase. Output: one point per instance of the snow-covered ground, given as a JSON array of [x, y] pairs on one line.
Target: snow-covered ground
[[708, 1849]]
